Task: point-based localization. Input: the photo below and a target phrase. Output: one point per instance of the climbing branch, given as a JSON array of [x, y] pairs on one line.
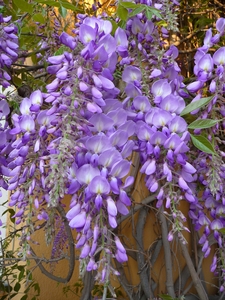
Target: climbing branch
[[167, 253]]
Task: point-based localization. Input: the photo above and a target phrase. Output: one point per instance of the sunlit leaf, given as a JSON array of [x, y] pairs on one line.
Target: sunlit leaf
[[24, 6], [162, 23], [70, 6], [154, 11], [61, 50], [203, 144], [39, 18], [137, 11], [202, 124], [129, 4], [149, 15], [114, 26], [50, 3], [63, 11], [122, 24], [122, 12], [195, 105]]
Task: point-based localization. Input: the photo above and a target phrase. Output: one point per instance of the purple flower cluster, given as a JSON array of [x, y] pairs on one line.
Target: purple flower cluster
[[154, 97], [112, 95], [207, 211], [6, 139], [8, 48], [80, 145]]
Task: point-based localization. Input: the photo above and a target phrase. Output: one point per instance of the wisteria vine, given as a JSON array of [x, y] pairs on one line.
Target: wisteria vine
[[116, 92]]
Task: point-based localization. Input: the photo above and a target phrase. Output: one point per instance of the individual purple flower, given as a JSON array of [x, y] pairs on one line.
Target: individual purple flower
[[219, 57], [177, 125], [121, 256], [161, 118], [99, 186], [109, 157], [36, 100], [141, 103], [109, 43], [75, 210], [68, 40], [216, 224], [91, 265], [101, 122], [160, 89], [131, 74], [87, 34], [98, 143], [121, 42], [79, 220], [112, 221], [204, 67], [149, 167], [111, 207], [86, 173], [4, 108], [220, 25], [214, 264], [137, 26], [195, 86], [27, 123], [85, 251]]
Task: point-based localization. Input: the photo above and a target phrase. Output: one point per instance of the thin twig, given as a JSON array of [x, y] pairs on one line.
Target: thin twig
[[195, 278], [123, 279], [33, 52], [140, 256], [167, 254], [137, 207]]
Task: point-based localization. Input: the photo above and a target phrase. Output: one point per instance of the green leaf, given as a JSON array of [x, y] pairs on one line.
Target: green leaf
[[61, 50], [122, 24], [222, 230], [154, 11], [17, 287], [13, 295], [122, 13], [149, 15], [203, 144], [39, 18], [137, 10], [36, 287], [24, 297], [201, 124], [63, 11], [70, 6], [50, 3], [21, 274], [17, 81], [114, 26], [195, 105], [24, 6], [129, 4], [162, 23]]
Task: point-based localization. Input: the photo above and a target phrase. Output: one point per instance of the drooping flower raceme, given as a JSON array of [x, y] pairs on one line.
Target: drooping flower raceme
[[8, 48], [78, 137]]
